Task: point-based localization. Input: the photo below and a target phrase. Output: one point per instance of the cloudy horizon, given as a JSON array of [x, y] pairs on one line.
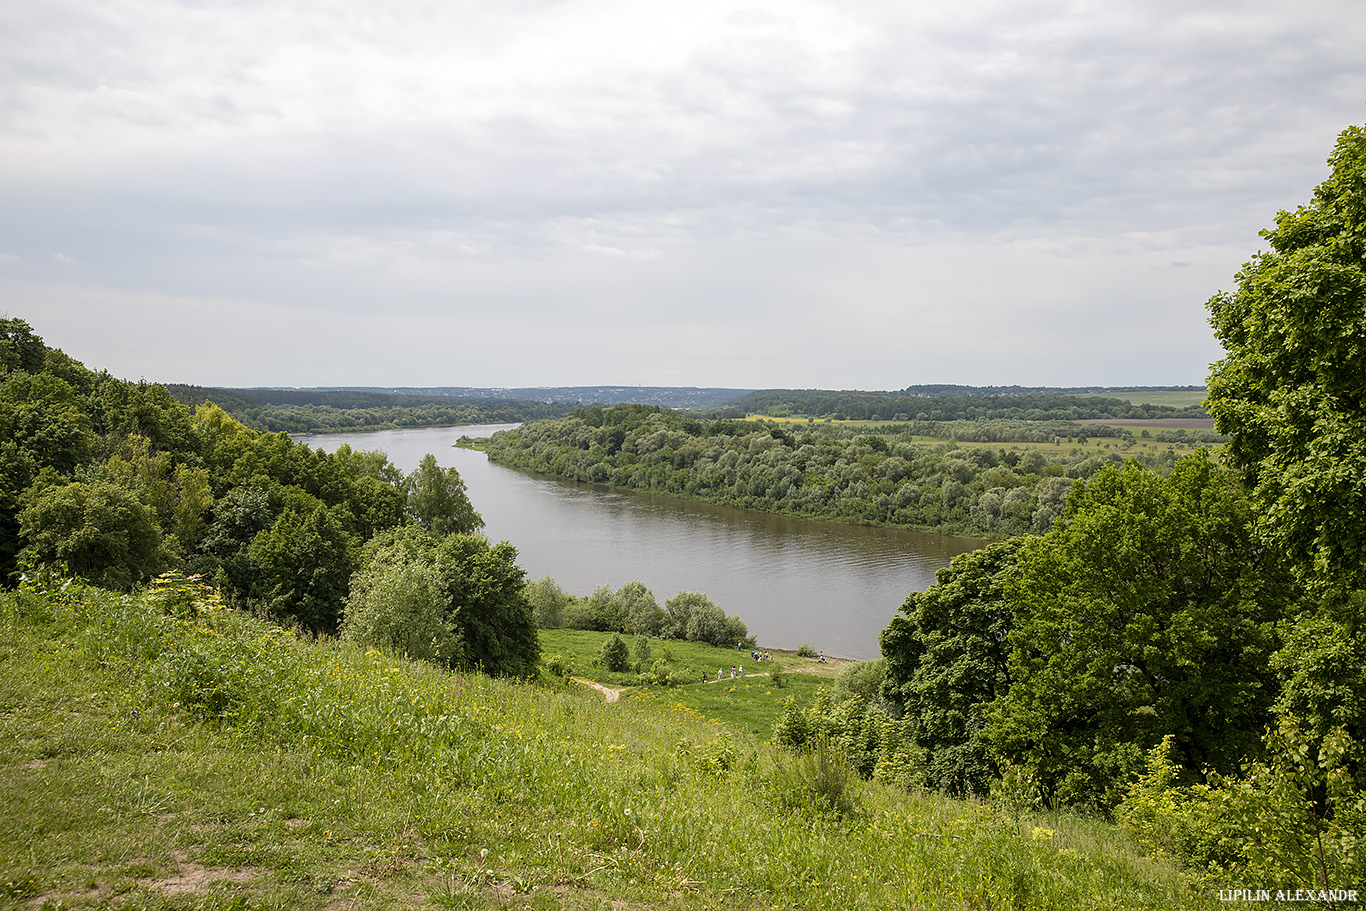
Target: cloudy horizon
[[799, 194]]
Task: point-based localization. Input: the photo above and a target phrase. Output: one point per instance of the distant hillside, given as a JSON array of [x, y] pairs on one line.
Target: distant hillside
[[330, 410], [1124, 392], [674, 397], [966, 403]]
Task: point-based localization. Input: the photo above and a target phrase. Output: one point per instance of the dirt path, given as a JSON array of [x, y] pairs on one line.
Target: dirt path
[[829, 669], [611, 695]]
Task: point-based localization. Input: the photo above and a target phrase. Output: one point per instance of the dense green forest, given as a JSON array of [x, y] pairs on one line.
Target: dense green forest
[[119, 483], [331, 411], [818, 469]]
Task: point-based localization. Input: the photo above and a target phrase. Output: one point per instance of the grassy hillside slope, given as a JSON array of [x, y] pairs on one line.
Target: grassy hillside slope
[[161, 752]]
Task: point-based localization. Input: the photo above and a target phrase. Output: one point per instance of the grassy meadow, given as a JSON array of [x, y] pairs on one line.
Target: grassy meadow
[[204, 759], [1176, 398], [749, 703], [1124, 447]]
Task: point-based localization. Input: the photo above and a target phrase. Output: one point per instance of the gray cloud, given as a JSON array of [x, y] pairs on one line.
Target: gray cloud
[[801, 193]]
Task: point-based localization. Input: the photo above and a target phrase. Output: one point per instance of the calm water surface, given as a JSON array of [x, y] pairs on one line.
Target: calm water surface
[[791, 580]]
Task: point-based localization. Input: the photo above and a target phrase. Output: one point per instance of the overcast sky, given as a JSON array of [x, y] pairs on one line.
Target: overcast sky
[[752, 194]]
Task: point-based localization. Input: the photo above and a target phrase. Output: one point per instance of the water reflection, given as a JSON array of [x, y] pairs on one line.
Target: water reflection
[[791, 580]]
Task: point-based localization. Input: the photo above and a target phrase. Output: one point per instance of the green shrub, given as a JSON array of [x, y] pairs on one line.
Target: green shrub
[[1295, 820], [614, 655], [806, 651], [560, 665], [817, 779], [863, 679], [548, 602], [402, 607], [777, 676]]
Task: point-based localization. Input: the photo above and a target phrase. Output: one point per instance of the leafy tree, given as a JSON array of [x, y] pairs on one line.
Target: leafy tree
[[1290, 394], [1322, 668], [488, 607], [862, 679], [614, 654], [643, 614], [101, 531], [947, 657], [437, 499], [596, 612], [303, 564], [399, 602], [121, 408], [238, 516], [20, 349], [1290, 390], [370, 464], [679, 610], [1149, 609], [548, 602], [707, 623]]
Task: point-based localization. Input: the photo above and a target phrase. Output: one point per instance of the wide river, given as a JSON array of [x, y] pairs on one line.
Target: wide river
[[791, 580]]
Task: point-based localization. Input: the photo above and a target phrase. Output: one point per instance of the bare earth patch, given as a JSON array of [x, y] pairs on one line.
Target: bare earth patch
[[194, 878]]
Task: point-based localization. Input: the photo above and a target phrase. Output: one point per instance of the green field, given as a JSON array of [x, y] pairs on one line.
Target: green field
[[152, 762], [1176, 398], [748, 703]]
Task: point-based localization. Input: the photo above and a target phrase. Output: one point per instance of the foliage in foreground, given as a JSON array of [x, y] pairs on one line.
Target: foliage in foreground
[[1295, 820], [141, 738]]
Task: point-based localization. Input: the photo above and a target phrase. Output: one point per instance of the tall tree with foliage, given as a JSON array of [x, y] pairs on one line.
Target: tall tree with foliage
[[947, 654], [437, 499], [101, 531], [1149, 609], [489, 609], [1291, 391], [303, 564]]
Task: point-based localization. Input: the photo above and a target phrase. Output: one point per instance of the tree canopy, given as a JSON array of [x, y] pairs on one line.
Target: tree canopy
[[1149, 610], [1291, 391]]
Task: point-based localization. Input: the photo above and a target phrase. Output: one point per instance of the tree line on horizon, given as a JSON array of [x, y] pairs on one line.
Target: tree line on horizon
[[334, 411]]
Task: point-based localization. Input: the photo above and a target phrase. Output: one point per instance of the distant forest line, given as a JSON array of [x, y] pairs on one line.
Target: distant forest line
[[339, 410], [333, 411]]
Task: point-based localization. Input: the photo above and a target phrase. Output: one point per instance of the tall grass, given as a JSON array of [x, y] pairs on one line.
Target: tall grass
[[319, 770]]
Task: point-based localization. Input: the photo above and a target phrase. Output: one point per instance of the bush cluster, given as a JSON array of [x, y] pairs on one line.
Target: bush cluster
[[633, 610]]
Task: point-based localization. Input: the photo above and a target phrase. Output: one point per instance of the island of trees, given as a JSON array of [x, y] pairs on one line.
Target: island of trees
[[826, 470]]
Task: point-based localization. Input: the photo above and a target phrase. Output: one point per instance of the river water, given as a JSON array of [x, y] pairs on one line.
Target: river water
[[791, 580]]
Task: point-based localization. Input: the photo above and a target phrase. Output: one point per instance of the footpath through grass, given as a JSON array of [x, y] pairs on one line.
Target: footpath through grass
[[748, 703], [149, 760]]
